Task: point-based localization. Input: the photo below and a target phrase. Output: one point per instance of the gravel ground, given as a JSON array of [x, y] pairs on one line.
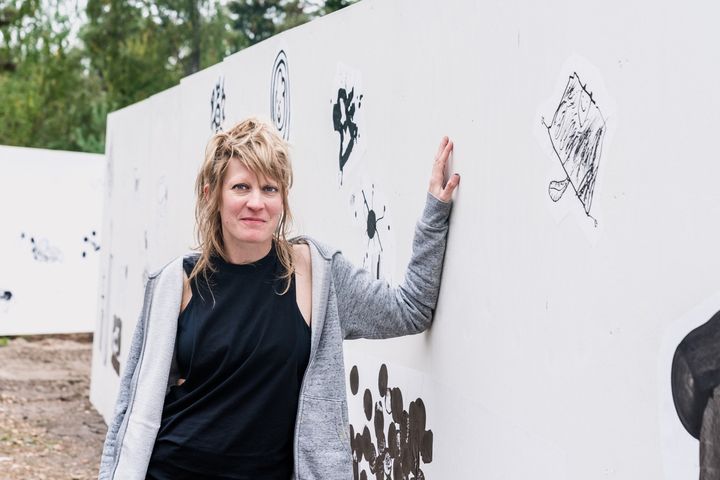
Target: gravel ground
[[48, 429]]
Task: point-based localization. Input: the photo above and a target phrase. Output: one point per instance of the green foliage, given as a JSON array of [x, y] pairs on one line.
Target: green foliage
[[59, 79], [4, 342]]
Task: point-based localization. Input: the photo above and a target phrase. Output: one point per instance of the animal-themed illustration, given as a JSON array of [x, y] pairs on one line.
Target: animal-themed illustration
[[399, 443], [576, 132], [347, 122]]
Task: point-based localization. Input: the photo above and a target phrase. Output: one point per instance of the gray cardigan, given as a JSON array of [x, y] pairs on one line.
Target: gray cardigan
[[347, 303]]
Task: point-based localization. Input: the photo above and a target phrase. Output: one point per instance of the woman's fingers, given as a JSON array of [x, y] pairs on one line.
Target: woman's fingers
[[443, 191]]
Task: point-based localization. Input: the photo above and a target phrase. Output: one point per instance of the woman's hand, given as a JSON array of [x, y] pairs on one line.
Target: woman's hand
[[437, 178]]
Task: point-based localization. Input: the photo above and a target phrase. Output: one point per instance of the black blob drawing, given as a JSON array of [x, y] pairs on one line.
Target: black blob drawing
[[90, 244], [576, 133], [6, 295], [343, 113], [280, 95], [372, 232], [402, 443], [41, 249], [116, 344], [694, 379], [217, 106]]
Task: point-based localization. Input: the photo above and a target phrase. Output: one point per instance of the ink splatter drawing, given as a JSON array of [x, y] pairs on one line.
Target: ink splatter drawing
[[90, 244], [344, 123], [374, 224], [5, 295], [280, 95], [401, 444], [41, 249], [576, 133], [217, 105], [346, 114]]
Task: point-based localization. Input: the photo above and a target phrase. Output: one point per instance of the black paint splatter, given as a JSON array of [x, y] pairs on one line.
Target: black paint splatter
[[354, 380], [344, 123], [41, 249], [217, 105], [371, 230], [90, 243], [6, 295], [576, 133], [116, 344], [407, 445], [280, 95]]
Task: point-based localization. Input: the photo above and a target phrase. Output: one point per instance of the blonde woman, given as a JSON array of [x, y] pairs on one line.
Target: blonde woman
[[236, 370]]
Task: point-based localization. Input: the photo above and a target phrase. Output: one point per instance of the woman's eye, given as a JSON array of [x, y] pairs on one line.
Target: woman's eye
[[240, 186], [270, 188]]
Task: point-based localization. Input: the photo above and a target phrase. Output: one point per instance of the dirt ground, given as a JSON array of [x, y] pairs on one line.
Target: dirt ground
[[48, 429]]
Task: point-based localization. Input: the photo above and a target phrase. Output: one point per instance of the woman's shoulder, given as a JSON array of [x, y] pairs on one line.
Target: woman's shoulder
[[305, 243]]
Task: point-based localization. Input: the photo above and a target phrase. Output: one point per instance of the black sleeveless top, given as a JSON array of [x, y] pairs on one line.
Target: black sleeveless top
[[243, 360]]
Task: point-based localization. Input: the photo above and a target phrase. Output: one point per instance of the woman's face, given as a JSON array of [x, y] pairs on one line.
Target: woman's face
[[250, 207]]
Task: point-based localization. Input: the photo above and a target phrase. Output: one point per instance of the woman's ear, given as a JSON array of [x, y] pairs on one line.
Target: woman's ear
[[206, 191]]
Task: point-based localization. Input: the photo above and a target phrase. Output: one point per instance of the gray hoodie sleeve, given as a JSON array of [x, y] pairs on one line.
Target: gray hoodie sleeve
[[109, 453], [371, 308]]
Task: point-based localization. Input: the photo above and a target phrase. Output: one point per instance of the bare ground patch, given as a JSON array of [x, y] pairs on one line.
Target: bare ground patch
[[48, 429]]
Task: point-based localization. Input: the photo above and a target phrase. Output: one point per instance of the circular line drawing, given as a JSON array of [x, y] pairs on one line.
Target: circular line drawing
[[280, 95]]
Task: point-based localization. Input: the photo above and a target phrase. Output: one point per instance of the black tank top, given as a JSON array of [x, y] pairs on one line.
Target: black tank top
[[243, 360]]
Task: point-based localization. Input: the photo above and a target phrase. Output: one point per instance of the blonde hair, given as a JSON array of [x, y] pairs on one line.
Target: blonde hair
[[260, 149]]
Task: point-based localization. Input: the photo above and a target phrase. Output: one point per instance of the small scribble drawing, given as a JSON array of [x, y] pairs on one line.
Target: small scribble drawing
[[41, 249], [344, 123], [90, 244], [401, 447], [116, 337], [576, 133], [217, 105], [280, 95], [6, 295]]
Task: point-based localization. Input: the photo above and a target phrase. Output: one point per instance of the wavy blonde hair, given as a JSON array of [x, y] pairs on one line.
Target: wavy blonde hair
[[260, 149]]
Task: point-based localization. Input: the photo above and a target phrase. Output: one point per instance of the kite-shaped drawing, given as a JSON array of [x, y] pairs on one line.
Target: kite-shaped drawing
[[280, 95], [576, 132], [217, 105], [402, 444]]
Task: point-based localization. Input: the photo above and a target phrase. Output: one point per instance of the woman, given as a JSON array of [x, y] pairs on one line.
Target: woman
[[236, 370]]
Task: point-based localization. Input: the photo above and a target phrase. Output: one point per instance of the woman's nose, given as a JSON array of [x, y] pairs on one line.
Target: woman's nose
[[255, 199]]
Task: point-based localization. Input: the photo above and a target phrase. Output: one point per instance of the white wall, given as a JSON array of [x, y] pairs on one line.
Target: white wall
[[549, 355], [51, 240]]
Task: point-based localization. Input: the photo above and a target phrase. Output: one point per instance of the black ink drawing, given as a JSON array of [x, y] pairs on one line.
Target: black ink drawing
[[576, 133], [217, 105], [280, 95], [6, 295], [403, 446], [41, 249], [374, 247], [344, 123], [115, 347], [694, 379], [90, 244]]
